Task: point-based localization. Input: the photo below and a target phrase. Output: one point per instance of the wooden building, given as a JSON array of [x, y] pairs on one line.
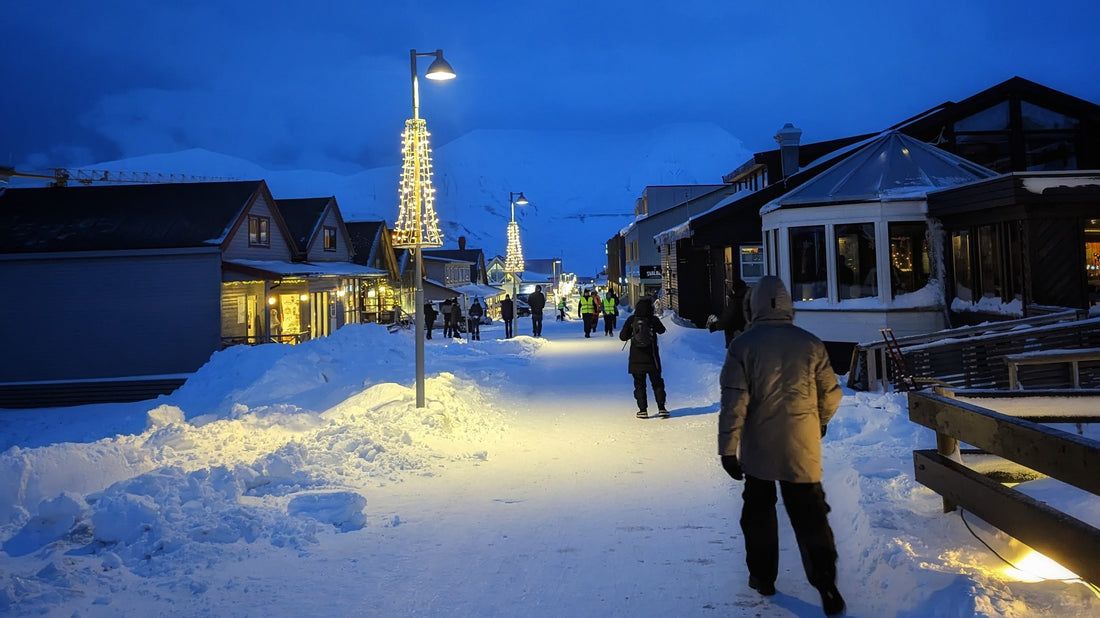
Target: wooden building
[[119, 292], [1020, 243]]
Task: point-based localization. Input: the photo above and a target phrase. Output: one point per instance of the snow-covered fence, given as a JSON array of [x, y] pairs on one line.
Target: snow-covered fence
[[1025, 442]]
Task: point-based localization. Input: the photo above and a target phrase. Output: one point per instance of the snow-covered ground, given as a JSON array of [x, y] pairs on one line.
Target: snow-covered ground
[[303, 481]]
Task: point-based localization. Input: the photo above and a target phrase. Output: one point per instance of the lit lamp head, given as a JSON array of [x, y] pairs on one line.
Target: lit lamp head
[[440, 69], [521, 200]]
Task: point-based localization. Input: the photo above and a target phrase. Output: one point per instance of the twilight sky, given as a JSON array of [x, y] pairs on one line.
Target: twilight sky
[[326, 85]]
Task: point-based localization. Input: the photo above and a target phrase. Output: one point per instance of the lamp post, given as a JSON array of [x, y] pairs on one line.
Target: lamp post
[[513, 257], [416, 225]]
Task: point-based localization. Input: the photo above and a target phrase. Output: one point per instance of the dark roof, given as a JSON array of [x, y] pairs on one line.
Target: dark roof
[[121, 217], [466, 255], [302, 215], [363, 235], [891, 166]]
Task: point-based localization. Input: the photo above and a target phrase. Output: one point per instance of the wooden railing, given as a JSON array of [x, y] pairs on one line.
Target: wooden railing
[[970, 357], [1061, 455]]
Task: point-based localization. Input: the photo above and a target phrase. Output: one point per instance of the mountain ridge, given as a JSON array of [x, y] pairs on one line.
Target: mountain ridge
[[581, 185]]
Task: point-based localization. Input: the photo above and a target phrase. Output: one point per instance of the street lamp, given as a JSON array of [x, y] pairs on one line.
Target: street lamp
[[417, 225], [513, 257]]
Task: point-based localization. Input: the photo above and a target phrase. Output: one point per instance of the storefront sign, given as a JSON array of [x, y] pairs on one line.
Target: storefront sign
[[651, 272]]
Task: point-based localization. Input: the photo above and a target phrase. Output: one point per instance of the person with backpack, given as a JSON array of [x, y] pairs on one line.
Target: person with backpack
[[507, 314], [586, 308], [641, 330], [561, 307], [610, 310], [778, 394], [475, 312]]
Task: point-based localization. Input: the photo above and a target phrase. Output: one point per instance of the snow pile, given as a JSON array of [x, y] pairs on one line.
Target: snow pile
[[297, 480]]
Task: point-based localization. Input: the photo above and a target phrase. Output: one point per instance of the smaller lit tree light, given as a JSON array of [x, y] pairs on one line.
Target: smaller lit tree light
[[513, 254]]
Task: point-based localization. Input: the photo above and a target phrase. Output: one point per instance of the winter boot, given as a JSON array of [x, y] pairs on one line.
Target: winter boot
[[663, 413], [765, 588], [831, 601], [643, 414]]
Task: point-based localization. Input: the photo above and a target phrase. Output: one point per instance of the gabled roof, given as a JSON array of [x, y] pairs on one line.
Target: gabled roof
[[890, 167], [364, 235], [466, 255], [302, 216], [122, 217]]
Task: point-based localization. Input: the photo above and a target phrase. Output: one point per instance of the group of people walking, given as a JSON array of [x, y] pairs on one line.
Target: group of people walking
[[589, 308]]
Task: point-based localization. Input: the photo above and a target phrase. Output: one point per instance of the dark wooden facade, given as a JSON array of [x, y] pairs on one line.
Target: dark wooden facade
[[1038, 224]]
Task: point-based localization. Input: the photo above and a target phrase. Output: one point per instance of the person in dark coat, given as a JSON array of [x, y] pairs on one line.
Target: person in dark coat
[[507, 314], [429, 319], [537, 302], [645, 361], [456, 316], [778, 393], [733, 319], [475, 313], [445, 308]]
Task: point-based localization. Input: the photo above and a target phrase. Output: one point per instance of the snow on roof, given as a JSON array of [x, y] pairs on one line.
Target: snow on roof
[[310, 269], [892, 166], [476, 290], [1040, 184]]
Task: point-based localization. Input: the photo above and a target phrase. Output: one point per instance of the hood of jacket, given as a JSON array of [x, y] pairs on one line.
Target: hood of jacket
[[644, 307], [770, 301]]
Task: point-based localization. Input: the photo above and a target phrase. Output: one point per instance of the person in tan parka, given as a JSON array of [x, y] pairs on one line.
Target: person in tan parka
[[778, 394]]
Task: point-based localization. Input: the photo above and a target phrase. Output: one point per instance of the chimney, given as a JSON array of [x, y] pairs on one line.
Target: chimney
[[461, 243], [788, 138]]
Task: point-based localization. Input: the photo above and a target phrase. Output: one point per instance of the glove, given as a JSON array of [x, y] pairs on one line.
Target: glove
[[732, 467], [824, 428], [712, 322]]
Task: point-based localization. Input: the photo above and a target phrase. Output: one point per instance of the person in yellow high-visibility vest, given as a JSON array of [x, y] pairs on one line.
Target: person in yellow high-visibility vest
[[610, 311], [586, 307]]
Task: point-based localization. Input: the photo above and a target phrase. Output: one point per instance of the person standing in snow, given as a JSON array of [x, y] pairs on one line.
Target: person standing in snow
[[475, 312], [641, 330], [429, 319], [507, 314], [610, 311], [561, 307], [778, 393], [733, 319], [537, 302], [586, 308], [445, 309], [456, 316]]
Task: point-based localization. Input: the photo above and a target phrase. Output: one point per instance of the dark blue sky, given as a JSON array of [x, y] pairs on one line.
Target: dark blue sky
[[328, 87]]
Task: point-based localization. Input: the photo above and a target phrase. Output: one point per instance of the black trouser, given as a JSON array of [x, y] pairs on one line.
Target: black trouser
[[609, 323], [508, 329], [589, 320], [447, 332], [536, 323], [474, 327], [428, 328], [808, 512], [658, 388]]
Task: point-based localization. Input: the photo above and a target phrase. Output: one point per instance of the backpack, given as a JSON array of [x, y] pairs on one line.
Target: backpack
[[643, 333]]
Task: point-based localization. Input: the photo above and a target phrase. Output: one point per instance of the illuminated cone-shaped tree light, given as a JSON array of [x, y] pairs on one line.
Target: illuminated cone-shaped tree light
[[513, 256], [417, 226]]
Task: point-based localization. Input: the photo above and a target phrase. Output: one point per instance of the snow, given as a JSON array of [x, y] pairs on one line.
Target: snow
[[302, 480], [1039, 185]]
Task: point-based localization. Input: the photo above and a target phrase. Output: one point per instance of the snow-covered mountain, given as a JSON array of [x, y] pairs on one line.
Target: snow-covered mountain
[[581, 185]]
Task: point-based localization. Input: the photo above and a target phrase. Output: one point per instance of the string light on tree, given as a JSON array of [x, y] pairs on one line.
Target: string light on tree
[[416, 226]]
